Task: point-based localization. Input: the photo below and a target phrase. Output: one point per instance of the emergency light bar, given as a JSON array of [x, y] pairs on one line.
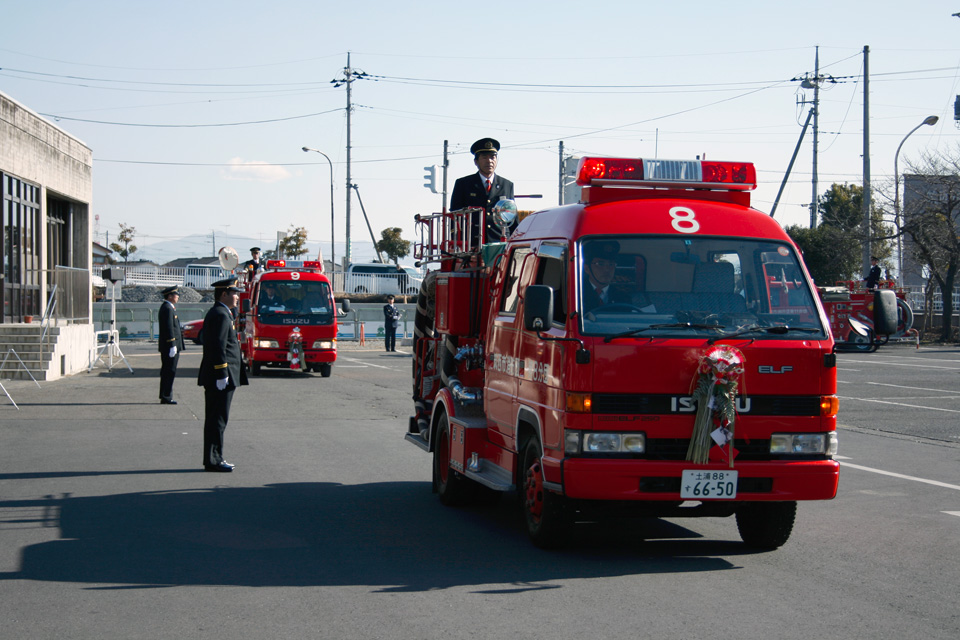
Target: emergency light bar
[[295, 264], [701, 174]]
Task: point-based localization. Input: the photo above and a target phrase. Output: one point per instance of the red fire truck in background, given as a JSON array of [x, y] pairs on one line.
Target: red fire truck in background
[[689, 385], [289, 318]]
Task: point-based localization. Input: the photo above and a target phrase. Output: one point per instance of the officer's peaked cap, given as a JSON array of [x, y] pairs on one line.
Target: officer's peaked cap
[[482, 145]]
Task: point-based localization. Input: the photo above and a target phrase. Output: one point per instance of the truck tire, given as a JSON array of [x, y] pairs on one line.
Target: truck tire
[[255, 368], [545, 514], [453, 489], [325, 369], [766, 525]]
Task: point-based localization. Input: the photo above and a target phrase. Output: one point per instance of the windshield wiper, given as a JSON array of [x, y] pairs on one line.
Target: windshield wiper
[[669, 325], [779, 329]]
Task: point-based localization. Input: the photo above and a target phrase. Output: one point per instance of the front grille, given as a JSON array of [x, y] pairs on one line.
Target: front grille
[[676, 449], [646, 404]]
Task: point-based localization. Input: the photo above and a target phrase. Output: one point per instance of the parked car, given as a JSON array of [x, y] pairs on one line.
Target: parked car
[[202, 276], [376, 277], [193, 330]]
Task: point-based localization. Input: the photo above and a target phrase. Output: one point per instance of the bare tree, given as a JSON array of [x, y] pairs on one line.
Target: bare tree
[[124, 246], [931, 215], [294, 244]]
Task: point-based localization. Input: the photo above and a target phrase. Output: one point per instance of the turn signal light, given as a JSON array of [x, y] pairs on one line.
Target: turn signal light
[[829, 405], [579, 403]]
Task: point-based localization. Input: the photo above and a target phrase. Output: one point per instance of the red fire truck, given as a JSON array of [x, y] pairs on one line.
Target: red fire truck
[[625, 355], [289, 318]]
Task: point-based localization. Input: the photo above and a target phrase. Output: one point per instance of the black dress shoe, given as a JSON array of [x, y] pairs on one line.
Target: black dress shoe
[[223, 467], [168, 402]]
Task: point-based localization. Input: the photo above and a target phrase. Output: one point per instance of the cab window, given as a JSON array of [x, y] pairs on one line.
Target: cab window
[[511, 283], [551, 271]]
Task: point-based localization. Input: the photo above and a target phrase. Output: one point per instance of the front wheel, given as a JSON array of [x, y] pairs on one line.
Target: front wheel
[[325, 369], [255, 368], [545, 514], [453, 488], [766, 525]]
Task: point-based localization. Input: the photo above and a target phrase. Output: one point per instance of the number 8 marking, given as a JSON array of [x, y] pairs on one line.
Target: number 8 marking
[[684, 220]]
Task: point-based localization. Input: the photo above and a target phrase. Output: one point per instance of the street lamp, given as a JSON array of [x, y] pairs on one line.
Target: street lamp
[[333, 262], [930, 121]]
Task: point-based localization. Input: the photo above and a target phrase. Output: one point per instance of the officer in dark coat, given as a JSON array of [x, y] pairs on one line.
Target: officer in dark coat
[[483, 189], [253, 265], [170, 343], [221, 371], [872, 281], [391, 320]]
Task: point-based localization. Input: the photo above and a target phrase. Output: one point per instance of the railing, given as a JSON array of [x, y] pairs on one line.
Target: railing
[[916, 297]]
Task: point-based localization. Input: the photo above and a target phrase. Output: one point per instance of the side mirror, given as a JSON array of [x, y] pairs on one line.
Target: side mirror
[[245, 305], [884, 312], [537, 307], [345, 305]]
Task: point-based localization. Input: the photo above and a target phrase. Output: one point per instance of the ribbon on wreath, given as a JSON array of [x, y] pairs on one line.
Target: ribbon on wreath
[[715, 392], [295, 355]]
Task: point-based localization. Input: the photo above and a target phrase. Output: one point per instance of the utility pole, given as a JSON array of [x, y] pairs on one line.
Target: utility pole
[[814, 83], [560, 181], [867, 203], [446, 165], [349, 76]]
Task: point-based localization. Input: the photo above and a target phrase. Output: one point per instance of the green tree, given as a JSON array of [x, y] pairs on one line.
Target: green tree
[[124, 246], [392, 244], [294, 244], [834, 250]]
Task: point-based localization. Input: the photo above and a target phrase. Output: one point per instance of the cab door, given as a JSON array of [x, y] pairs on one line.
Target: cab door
[[503, 364], [539, 384]]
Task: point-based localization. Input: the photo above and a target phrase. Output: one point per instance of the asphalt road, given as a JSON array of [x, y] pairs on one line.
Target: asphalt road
[[109, 528]]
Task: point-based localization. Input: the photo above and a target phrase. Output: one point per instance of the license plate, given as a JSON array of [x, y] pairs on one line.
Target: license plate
[[698, 484]]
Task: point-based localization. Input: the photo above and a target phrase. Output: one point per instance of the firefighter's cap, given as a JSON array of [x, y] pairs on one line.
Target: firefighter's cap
[[170, 291], [254, 249], [230, 284], [485, 145], [606, 249]]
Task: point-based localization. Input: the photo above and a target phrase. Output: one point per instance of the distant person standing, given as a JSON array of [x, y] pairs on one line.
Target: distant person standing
[[873, 278], [170, 343], [483, 189], [221, 371], [391, 320]]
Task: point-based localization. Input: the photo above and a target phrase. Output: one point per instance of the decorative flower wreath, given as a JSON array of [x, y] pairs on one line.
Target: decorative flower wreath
[[716, 385], [295, 356]]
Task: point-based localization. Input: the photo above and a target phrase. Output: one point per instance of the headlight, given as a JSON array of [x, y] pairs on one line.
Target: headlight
[[266, 343], [599, 442], [323, 344], [803, 443]]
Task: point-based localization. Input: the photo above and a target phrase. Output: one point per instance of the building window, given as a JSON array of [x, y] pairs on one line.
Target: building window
[[22, 271]]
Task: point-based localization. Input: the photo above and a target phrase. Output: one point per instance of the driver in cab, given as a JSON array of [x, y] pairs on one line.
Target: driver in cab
[[599, 268], [269, 297]]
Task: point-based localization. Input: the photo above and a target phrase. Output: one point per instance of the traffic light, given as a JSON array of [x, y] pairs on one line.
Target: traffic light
[[431, 178]]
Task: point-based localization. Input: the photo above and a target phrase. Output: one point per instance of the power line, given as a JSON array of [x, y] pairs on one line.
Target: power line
[[188, 126]]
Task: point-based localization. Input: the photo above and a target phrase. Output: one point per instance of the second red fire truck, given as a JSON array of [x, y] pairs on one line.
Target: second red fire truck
[[627, 355]]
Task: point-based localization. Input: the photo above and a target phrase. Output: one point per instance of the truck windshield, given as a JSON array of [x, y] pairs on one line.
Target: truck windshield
[[294, 302], [687, 287]]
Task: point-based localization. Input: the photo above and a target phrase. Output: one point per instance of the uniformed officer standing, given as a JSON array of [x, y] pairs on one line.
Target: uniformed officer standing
[[170, 343], [253, 265], [221, 371], [484, 189]]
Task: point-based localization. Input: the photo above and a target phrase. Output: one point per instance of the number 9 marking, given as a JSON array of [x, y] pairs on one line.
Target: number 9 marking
[[684, 220]]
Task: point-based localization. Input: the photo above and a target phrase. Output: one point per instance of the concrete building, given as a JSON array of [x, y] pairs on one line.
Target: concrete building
[[46, 252]]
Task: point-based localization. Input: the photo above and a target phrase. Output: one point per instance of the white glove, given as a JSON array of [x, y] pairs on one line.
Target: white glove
[[173, 351], [222, 383]]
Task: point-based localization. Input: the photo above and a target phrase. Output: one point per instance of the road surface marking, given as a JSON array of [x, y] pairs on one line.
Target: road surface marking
[[897, 364], [902, 386], [367, 364], [952, 513], [935, 483], [899, 404]]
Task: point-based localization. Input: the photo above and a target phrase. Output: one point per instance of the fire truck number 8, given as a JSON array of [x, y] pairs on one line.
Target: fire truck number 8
[[685, 223]]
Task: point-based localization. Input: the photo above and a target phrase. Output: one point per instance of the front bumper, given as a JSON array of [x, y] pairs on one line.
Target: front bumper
[[279, 356], [592, 479]]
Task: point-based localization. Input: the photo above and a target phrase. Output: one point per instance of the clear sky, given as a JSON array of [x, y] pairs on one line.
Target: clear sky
[[158, 91]]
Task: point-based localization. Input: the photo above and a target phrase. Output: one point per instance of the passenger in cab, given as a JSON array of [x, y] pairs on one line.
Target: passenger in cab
[[269, 297]]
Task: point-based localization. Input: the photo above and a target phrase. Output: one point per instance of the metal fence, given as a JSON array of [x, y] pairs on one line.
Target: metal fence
[[917, 300]]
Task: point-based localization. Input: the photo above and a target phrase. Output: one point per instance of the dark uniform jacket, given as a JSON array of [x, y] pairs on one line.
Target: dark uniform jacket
[[471, 191], [391, 316], [873, 278], [170, 335], [221, 350]]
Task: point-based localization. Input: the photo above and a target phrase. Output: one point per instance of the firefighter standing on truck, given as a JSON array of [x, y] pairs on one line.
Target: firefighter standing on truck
[[483, 189]]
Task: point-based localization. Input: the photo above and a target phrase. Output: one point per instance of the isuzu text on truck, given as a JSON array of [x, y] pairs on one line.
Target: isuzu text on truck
[[289, 318], [679, 389]]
